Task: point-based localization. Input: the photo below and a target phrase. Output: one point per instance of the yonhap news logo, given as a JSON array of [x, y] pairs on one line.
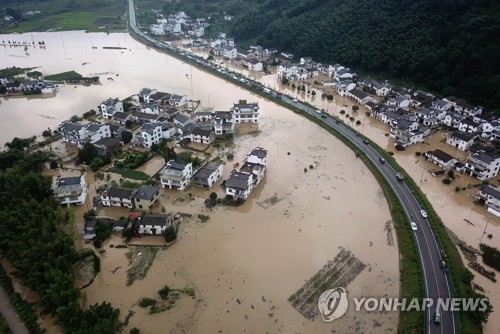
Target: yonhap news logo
[[333, 304]]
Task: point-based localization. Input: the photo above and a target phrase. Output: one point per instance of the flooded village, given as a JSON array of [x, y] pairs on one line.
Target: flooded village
[[305, 198]]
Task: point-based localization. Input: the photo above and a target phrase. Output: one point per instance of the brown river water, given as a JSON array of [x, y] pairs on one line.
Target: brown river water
[[244, 262]]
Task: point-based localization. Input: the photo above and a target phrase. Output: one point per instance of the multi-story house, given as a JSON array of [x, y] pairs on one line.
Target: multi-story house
[[116, 196], [244, 112], [207, 175], [110, 107], [80, 134], [482, 165], [490, 196], [145, 197], [241, 183], [223, 122], [176, 175], [469, 126], [154, 224], [149, 134], [71, 190], [150, 108], [406, 132], [202, 136], [461, 140], [441, 158], [71, 132], [145, 95]]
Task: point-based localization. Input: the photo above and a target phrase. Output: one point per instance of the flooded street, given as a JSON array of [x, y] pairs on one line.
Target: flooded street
[[245, 262]]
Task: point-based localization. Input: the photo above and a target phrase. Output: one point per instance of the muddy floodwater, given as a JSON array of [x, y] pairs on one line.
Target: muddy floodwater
[[245, 262]]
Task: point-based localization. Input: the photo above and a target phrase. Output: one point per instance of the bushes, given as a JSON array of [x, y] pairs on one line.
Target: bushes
[[491, 256]]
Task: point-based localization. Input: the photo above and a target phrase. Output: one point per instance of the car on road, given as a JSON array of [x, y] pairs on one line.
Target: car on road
[[323, 116], [382, 160], [295, 100], [366, 141], [413, 226], [318, 111], [437, 317], [423, 213], [400, 177]]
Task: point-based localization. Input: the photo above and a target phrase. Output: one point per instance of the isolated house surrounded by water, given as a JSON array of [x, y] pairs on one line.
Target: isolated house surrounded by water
[[223, 122], [491, 197], [145, 197], [207, 175], [71, 190], [441, 158], [246, 112], [240, 183], [176, 175]]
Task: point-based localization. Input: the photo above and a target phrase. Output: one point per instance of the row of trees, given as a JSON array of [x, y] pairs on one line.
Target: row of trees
[[35, 238]]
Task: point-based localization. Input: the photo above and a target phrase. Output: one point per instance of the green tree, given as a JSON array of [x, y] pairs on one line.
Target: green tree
[[170, 233], [163, 292], [126, 136], [355, 108], [88, 153]]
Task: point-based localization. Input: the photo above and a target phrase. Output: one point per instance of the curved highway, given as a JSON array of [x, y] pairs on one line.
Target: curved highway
[[436, 283]]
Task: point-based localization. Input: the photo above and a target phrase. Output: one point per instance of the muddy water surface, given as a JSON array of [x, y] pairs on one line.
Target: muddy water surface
[[244, 262]]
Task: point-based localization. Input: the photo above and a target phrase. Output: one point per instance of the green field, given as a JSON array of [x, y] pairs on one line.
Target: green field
[[58, 15]]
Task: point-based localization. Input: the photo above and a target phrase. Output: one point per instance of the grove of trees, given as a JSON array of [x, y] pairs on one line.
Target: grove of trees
[[36, 239]]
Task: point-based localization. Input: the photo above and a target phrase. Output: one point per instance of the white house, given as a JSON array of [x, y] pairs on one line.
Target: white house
[[239, 185], [93, 132], [150, 108], [71, 190], [468, 126], [203, 116], [491, 198], [202, 136], [154, 224], [110, 107], [116, 196], [255, 65], [441, 158], [181, 120], [244, 112], [223, 122], [145, 94], [230, 52], [178, 100], [157, 29], [167, 130], [149, 134], [380, 89], [176, 175], [71, 132], [462, 141], [482, 165], [207, 175]]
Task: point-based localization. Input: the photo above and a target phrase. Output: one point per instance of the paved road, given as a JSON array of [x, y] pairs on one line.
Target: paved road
[[435, 279]]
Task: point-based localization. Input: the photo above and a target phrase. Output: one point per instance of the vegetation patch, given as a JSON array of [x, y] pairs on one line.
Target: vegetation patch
[[63, 76], [140, 259], [342, 270], [130, 173], [271, 200], [491, 256]]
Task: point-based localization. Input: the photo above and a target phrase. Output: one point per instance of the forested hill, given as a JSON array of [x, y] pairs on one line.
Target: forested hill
[[449, 46]]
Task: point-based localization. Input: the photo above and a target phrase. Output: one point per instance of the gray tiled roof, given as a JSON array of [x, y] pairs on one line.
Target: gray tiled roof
[[119, 192], [146, 192]]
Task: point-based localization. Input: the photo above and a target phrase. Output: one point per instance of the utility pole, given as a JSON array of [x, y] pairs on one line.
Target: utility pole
[[484, 232]]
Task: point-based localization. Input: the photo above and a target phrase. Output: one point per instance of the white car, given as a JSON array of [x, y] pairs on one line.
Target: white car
[[295, 100], [413, 226], [318, 111], [423, 213]]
